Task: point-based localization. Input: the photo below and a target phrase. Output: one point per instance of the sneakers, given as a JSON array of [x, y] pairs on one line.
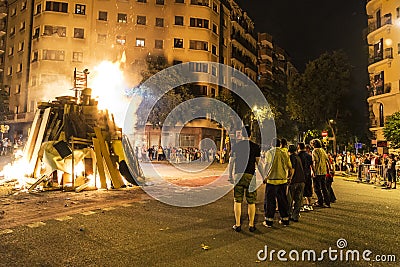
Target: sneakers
[[252, 228], [308, 208], [237, 228], [268, 225], [284, 222]]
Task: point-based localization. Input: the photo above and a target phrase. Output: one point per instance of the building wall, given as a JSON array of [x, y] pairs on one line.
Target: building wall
[[87, 32], [384, 55]]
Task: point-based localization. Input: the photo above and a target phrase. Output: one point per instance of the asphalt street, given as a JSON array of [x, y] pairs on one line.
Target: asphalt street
[[146, 232]]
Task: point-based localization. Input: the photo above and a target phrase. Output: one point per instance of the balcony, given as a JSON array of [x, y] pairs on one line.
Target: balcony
[[380, 90], [245, 43], [388, 54], [377, 24], [265, 52]]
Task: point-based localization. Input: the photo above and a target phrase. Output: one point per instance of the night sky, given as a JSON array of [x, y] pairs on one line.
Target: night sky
[[307, 28]]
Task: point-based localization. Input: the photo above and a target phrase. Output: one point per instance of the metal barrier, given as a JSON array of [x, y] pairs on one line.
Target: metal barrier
[[372, 173]]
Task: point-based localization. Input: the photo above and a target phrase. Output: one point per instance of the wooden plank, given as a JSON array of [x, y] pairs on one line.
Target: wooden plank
[[99, 162], [51, 126], [32, 136], [114, 173], [39, 141]]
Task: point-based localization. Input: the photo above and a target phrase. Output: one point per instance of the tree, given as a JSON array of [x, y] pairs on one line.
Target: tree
[[391, 130], [317, 98], [167, 102]]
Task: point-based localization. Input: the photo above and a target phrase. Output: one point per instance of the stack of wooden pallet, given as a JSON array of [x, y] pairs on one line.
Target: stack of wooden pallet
[[69, 132]]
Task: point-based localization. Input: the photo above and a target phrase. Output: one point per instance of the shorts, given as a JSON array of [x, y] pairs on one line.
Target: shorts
[[308, 187], [246, 187]]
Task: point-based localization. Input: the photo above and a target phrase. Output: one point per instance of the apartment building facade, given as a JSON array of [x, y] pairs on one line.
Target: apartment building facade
[[47, 40], [384, 62], [274, 63]]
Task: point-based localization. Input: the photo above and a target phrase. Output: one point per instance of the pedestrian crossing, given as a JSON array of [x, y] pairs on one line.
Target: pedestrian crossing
[[39, 224]]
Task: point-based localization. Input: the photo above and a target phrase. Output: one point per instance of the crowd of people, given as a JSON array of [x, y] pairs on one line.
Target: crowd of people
[[7, 146], [179, 154], [291, 174]]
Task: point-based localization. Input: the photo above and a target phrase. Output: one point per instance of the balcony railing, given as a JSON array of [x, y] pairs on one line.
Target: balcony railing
[[265, 51], [248, 45], [388, 53], [374, 25], [379, 90]]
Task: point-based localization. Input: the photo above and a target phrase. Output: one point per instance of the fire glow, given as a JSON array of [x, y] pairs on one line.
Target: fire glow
[[109, 87]]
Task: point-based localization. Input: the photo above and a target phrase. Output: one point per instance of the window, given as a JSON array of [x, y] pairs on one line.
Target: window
[[178, 43], [398, 12], [35, 56], [36, 33], [103, 15], [141, 1], [121, 39], [159, 22], [139, 42], [187, 140], [12, 31], [22, 26], [21, 46], [215, 7], [198, 67], [57, 6], [199, 90], [198, 45], [11, 50], [101, 38], [199, 2], [176, 62], [200, 23], [50, 30], [18, 89], [13, 12], [23, 5], [159, 2], [79, 33], [122, 18], [38, 9], [56, 55], [179, 20], [215, 29], [159, 44], [19, 67], [398, 48], [381, 116], [77, 56], [214, 73], [141, 20], [9, 71], [180, 1], [80, 9], [214, 50]]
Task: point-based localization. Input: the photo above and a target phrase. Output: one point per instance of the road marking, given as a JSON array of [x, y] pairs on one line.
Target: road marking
[[109, 208], [6, 231], [126, 205], [86, 213], [36, 224], [65, 218]]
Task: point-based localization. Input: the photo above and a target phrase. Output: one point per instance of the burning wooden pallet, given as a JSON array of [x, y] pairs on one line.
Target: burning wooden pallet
[[80, 146]]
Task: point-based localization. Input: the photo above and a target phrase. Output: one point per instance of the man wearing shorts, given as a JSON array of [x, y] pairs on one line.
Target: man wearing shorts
[[244, 157]]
